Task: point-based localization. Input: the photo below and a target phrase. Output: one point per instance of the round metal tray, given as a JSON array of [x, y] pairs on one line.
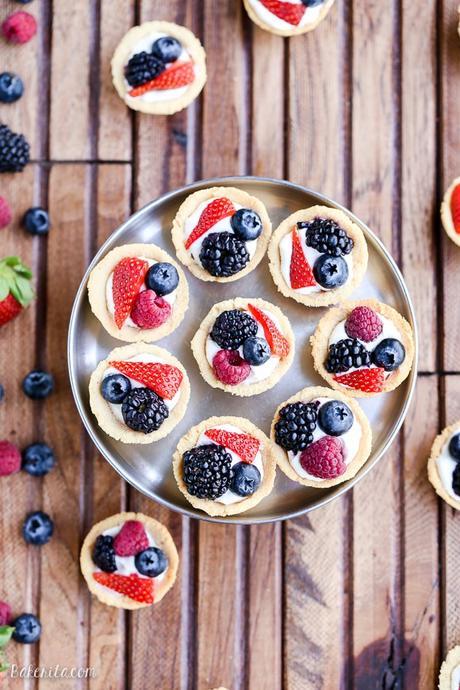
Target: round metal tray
[[148, 467]]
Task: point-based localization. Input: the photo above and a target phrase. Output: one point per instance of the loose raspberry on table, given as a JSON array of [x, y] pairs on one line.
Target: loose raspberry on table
[[363, 323], [5, 213], [19, 27], [10, 459], [324, 458], [5, 613]]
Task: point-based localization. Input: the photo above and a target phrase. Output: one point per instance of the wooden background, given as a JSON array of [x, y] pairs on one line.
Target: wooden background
[[365, 593]]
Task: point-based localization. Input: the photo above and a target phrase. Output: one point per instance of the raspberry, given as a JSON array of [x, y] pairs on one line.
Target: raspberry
[[324, 458], [150, 311], [230, 368], [10, 459], [5, 213], [363, 323], [131, 539], [19, 27], [5, 613]]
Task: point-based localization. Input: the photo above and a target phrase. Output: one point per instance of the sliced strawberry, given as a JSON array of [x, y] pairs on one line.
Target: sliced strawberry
[[279, 345], [300, 273], [164, 379], [455, 208], [212, 214], [287, 11], [128, 277], [180, 74], [366, 380], [137, 588], [243, 445]]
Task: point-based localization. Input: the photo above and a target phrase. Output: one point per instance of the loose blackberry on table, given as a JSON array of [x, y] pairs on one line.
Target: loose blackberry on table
[[207, 471], [143, 410], [326, 236], [14, 150], [346, 354], [295, 426], [232, 328], [223, 254], [142, 68]]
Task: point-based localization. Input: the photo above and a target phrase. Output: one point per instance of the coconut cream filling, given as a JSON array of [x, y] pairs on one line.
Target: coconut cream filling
[[446, 465], [310, 16], [455, 678]]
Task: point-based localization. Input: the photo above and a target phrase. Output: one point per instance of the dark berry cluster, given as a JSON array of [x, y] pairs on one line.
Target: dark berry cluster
[[143, 410], [295, 426], [326, 236], [232, 328], [346, 354], [143, 67], [222, 254], [104, 553], [207, 471], [14, 150]]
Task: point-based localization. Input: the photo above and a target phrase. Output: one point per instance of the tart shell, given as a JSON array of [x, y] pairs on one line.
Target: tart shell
[[97, 294], [189, 206], [446, 214], [163, 540], [206, 370], [101, 409], [296, 30], [320, 344], [313, 393], [213, 508], [359, 253], [433, 475], [451, 661]]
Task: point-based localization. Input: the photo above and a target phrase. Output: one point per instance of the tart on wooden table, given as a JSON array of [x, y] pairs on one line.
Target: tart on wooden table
[[225, 465], [139, 393], [159, 68], [449, 675], [244, 346], [450, 211], [138, 293], [444, 465], [363, 348], [323, 436], [288, 17], [221, 233], [318, 256], [129, 560]]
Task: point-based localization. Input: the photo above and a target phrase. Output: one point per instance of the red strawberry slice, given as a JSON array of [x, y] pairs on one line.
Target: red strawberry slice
[[212, 214], [164, 379], [455, 208], [279, 345], [292, 14], [366, 380], [181, 74], [243, 445], [128, 277], [132, 586], [300, 273]]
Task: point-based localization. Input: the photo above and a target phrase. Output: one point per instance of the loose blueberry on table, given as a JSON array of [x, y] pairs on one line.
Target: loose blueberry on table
[[27, 628], [11, 87], [38, 528], [38, 384], [36, 221], [38, 459]]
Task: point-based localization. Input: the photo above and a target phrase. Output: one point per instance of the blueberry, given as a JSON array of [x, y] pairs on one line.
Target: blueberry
[[167, 49], [38, 528], [256, 351], [2, 392], [389, 354], [246, 224], [335, 418], [11, 87], [27, 628], [162, 278], [246, 479], [330, 271], [151, 562], [454, 447], [115, 388], [36, 221], [38, 384], [311, 3], [37, 459]]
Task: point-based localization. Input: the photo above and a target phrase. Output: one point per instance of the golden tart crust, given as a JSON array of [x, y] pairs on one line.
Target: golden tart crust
[[433, 474], [446, 214], [295, 30]]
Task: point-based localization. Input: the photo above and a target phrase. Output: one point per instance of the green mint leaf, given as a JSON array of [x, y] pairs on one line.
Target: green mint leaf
[[5, 635]]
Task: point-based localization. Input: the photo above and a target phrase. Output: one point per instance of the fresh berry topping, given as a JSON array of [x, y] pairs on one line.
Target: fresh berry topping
[[27, 628], [215, 211], [366, 380], [330, 271], [5, 613], [10, 459], [335, 418], [115, 388], [279, 345], [16, 291], [455, 208], [256, 351], [5, 213], [142, 68], [104, 553], [38, 528], [245, 480], [9, 309], [207, 471], [2, 392], [175, 77], [38, 384], [456, 479], [243, 445], [164, 379], [131, 539], [287, 11], [389, 354], [230, 368], [232, 328], [300, 273], [312, 3], [345, 354], [324, 458], [454, 447], [223, 254], [19, 27], [37, 459], [363, 323], [14, 150], [151, 562], [246, 224], [128, 277], [137, 588], [162, 278], [295, 426], [36, 221], [143, 410], [150, 311], [326, 236], [11, 87], [167, 49]]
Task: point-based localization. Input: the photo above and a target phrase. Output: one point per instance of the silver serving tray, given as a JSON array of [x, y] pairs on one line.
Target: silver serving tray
[[148, 467]]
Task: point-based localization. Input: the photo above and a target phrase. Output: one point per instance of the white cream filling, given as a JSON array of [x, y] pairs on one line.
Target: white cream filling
[[310, 16], [446, 465], [455, 678]]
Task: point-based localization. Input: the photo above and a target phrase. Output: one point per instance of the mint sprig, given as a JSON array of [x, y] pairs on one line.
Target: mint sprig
[[6, 632], [15, 279]]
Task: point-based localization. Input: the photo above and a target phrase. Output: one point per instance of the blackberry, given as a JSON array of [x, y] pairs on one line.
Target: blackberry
[[295, 426], [223, 254], [326, 236], [232, 328], [346, 354], [456, 479], [144, 410], [143, 67], [14, 150], [104, 553], [207, 471]]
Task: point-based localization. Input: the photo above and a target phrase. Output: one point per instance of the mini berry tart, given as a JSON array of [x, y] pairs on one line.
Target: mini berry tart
[[129, 561], [138, 293], [363, 348], [449, 675], [318, 256], [323, 436], [288, 17], [139, 393], [159, 68], [225, 465], [244, 346], [221, 233], [444, 465], [450, 211]]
